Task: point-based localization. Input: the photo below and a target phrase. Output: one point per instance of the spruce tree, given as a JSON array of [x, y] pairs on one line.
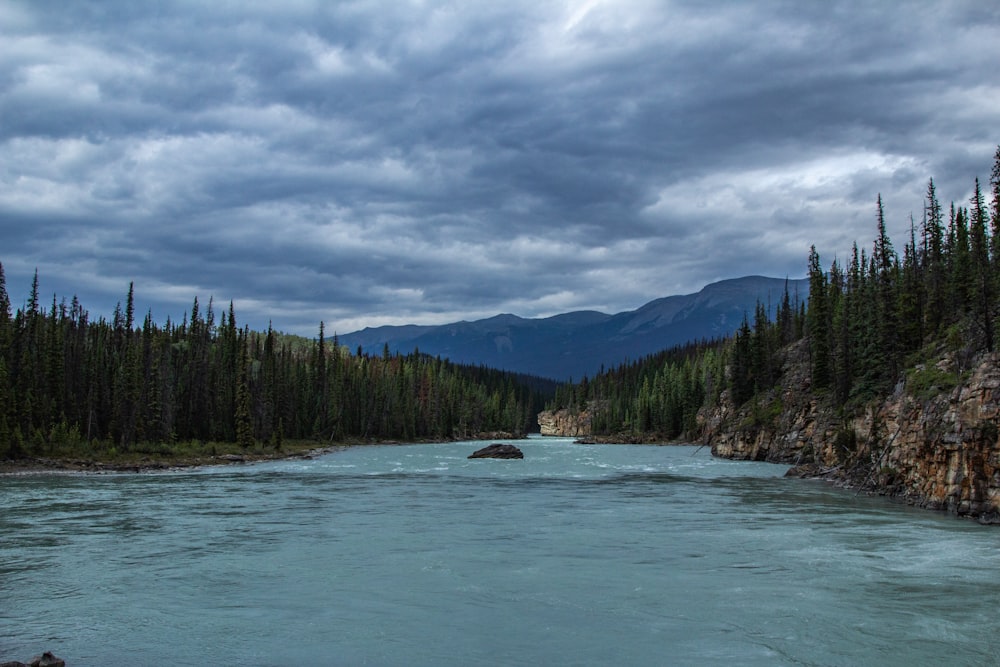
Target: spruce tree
[[933, 260], [243, 417], [742, 385], [6, 334], [995, 205], [817, 322], [885, 262], [910, 299], [982, 273], [960, 264], [6, 417]]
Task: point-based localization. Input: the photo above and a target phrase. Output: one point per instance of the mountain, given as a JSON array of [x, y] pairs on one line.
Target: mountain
[[575, 344]]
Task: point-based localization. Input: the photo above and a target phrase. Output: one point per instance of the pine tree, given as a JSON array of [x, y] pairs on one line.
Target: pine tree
[[243, 418], [995, 207], [6, 335], [959, 264], [742, 382], [818, 322], [6, 435], [130, 308], [933, 260], [885, 263], [910, 299], [983, 279], [33, 298]]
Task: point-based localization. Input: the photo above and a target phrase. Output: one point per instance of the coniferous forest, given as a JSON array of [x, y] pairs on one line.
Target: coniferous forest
[[69, 385], [867, 325], [66, 381]]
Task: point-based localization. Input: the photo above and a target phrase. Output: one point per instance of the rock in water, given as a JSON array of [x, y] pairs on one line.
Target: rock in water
[[44, 660], [48, 660], [498, 451]]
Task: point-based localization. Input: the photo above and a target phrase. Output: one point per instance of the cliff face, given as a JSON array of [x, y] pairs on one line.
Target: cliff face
[[933, 442], [565, 423]]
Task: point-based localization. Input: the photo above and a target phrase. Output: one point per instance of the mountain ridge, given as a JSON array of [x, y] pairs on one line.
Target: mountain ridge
[[579, 343]]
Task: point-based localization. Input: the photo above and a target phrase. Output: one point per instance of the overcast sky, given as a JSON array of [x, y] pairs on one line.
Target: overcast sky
[[368, 163]]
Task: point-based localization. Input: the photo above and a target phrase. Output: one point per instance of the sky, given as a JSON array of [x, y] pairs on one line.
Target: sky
[[364, 163]]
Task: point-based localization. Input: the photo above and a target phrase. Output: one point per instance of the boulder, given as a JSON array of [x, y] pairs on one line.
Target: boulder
[[498, 451], [47, 660], [804, 471], [44, 660]]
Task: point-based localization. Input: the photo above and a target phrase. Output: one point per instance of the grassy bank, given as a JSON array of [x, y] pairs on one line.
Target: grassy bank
[[161, 456], [102, 457]]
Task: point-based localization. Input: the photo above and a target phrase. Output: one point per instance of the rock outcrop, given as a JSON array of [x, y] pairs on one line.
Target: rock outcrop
[[565, 423], [498, 451], [44, 660], [934, 445]]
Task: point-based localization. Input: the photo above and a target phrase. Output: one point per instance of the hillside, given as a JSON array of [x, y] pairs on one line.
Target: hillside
[[578, 344], [889, 382]]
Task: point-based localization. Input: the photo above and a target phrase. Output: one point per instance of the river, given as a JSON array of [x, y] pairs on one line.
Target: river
[[416, 555]]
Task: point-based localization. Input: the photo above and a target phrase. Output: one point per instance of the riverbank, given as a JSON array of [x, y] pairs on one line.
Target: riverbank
[[195, 455], [932, 441], [46, 465]]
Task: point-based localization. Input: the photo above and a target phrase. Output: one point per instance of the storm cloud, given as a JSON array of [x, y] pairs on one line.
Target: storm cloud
[[367, 163]]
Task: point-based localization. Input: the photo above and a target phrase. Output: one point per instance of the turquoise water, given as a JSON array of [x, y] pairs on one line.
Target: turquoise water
[[415, 555]]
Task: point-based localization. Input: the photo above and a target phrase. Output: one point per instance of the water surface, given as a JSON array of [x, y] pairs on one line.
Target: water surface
[[415, 555]]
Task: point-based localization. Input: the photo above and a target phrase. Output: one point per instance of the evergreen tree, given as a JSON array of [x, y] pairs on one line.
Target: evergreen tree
[[933, 260], [910, 299], [983, 279], [995, 207], [959, 262], [742, 384], [818, 322], [6, 335], [885, 263], [6, 435], [243, 418]]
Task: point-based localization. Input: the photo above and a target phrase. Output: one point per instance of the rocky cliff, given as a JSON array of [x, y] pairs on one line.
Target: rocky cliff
[[565, 423], [933, 442]]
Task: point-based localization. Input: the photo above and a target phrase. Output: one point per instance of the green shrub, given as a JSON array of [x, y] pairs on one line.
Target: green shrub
[[846, 439], [927, 382]]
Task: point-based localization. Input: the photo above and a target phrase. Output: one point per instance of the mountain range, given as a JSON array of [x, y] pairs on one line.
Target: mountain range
[[577, 344]]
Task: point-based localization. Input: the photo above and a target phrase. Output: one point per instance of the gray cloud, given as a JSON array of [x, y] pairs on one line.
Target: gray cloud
[[368, 163]]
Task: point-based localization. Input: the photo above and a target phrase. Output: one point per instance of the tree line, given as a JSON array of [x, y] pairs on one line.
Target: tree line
[[68, 380], [864, 324], [884, 312]]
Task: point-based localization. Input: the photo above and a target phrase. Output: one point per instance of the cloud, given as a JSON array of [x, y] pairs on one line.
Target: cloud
[[367, 163]]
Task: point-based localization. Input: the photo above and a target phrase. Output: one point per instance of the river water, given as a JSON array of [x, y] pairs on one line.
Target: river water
[[415, 555]]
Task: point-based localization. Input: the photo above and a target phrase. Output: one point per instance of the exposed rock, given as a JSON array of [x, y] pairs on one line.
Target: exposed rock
[[804, 471], [498, 451], [565, 423], [499, 435], [47, 660], [625, 438], [941, 452], [44, 660]]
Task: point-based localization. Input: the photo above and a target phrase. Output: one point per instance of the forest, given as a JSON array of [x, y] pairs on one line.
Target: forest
[[70, 385], [882, 317]]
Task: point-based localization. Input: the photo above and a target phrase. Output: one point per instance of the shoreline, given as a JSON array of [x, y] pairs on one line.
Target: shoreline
[[70, 465]]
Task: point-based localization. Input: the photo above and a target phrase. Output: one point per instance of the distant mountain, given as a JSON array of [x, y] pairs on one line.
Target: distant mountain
[[575, 344]]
